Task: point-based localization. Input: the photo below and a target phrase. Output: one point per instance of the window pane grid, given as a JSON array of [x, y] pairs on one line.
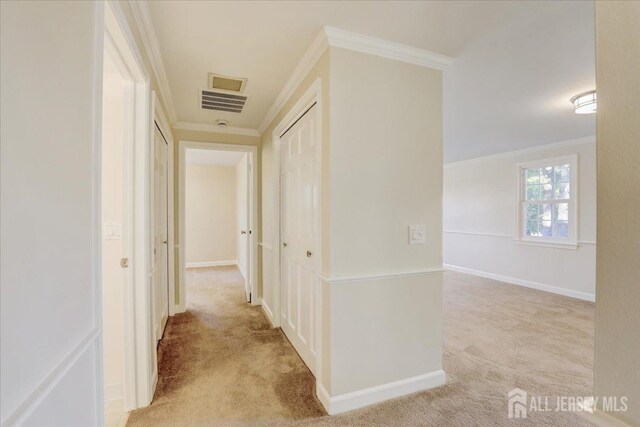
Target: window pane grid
[[546, 199]]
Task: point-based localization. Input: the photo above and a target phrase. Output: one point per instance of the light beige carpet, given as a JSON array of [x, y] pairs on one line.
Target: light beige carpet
[[221, 364]]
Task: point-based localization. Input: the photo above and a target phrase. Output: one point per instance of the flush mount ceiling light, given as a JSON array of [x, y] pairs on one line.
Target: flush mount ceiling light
[[584, 103]]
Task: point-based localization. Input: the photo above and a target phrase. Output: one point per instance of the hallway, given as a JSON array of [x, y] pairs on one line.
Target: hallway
[[220, 363]]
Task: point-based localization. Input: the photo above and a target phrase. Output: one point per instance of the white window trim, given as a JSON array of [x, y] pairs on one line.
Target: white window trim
[[572, 241]]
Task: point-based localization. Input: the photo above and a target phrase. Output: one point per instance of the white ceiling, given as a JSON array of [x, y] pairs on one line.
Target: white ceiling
[[195, 156], [508, 53], [511, 89]]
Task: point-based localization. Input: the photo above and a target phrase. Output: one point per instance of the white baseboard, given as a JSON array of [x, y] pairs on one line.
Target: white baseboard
[[267, 311], [211, 264], [526, 283], [602, 419], [358, 399], [244, 273]]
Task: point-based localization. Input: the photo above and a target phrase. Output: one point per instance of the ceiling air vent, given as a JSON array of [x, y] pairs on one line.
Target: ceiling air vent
[[222, 101], [220, 82]]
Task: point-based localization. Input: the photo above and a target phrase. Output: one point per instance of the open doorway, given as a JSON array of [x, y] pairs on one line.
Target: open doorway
[[128, 356], [217, 218]]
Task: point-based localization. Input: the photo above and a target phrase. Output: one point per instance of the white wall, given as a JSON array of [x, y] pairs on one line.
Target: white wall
[[480, 212], [112, 248], [241, 214], [617, 341], [50, 312], [211, 218]]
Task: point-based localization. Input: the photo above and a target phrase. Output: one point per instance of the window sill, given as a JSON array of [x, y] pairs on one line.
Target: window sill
[[547, 244]]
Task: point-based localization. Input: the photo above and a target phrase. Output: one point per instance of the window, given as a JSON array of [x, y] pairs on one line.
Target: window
[[547, 201]]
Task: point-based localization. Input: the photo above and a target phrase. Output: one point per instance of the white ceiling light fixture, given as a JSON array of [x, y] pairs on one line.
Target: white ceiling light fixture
[[585, 102]]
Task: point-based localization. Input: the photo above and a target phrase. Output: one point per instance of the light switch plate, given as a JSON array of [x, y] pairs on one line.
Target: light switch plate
[[112, 231], [417, 234], [108, 231]]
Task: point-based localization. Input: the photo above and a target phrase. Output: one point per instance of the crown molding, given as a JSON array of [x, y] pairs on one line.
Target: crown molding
[[335, 37], [538, 148], [145, 28], [206, 127], [386, 49], [309, 59]]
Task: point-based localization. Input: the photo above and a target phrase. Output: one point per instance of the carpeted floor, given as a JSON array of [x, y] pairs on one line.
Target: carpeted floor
[[221, 364]]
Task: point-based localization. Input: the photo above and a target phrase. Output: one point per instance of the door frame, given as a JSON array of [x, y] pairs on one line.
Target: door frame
[[160, 119], [252, 210], [139, 348], [312, 95]]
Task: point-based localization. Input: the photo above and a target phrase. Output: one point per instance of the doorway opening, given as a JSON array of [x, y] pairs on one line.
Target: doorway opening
[[128, 351], [218, 214]]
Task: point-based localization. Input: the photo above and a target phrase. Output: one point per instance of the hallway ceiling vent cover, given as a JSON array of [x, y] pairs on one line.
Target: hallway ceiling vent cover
[[227, 83], [222, 100]]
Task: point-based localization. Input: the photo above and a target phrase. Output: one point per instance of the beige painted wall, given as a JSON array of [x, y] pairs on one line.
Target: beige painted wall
[[112, 249], [373, 160], [385, 174], [211, 214], [617, 353], [214, 138]]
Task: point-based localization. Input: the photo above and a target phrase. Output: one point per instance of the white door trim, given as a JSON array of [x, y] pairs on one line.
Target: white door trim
[[140, 356], [252, 245], [161, 119], [312, 95]]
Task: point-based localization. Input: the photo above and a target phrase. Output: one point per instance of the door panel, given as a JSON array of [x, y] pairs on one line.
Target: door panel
[[161, 276], [299, 235]]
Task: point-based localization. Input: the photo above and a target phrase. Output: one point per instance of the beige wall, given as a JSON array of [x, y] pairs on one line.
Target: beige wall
[[385, 174], [380, 143], [214, 138], [617, 354], [112, 249], [210, 214]]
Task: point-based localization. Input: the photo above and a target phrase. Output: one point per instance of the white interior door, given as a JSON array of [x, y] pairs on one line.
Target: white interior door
[[161, 282], [243, 221], [299, 212]]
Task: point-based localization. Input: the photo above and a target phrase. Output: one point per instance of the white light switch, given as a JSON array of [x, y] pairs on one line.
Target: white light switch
[[117, 230], [417, 234], [108, 231], [112, 231]]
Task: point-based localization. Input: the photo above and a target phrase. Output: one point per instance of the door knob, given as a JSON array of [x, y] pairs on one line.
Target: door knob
[[308, 254], [243, 232], [164, 243], [124, 262], [284, 244]]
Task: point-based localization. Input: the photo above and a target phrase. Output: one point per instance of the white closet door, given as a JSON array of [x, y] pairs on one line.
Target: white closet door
[[161, 288], [299, 225]]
